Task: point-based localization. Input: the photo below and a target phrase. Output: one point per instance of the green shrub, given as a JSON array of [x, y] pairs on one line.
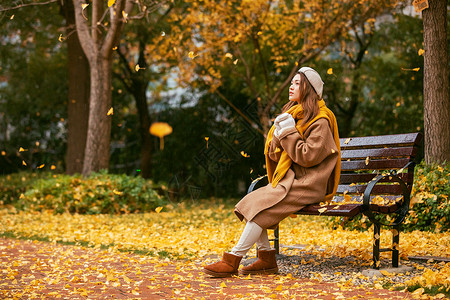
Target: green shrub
[[430, 203], [429, 206], [13, 185], [99, 193]]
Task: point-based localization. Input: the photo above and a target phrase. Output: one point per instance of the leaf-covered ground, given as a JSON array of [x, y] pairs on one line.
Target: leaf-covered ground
[[184, 238], [32, 270]]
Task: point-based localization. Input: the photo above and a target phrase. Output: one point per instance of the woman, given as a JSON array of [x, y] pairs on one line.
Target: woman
[[303, 166]]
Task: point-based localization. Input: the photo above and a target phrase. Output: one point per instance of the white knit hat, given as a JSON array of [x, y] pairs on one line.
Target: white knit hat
[[313, 78]]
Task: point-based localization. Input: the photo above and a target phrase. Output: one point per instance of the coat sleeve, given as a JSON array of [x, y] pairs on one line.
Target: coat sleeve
[[275, 149], [317, 145]]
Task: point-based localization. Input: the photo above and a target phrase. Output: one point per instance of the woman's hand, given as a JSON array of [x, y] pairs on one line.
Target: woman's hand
[[283, 122]]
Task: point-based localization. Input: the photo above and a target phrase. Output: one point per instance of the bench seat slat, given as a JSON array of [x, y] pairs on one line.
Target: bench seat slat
[[345, 210], [378, 153], [381, 164], [358, 198], [366, 177]]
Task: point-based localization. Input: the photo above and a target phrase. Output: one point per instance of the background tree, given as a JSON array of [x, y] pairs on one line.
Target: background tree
[[29, 49], [78, 92], [260, 42]]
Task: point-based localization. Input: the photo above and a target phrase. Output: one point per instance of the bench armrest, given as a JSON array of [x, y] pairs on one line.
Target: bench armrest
[[404, 208], [257, 183]]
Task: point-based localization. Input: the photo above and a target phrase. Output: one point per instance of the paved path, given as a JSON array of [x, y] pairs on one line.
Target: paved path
[[52, 271]]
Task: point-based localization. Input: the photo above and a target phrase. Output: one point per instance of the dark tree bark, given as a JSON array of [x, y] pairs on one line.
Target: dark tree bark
[[136, 84], [78, 97], [436, 90]]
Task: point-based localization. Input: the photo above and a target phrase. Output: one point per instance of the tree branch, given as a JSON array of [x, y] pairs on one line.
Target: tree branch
[[116, 25], [83, 31], [27, 4], [239, 112]]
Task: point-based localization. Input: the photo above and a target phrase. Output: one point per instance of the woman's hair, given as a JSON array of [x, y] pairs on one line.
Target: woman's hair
[[308, 99]]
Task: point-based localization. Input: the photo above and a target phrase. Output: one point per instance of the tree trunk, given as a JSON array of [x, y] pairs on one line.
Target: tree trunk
[[98, 43], [78, 98], [436, 90], [146, 139], [99, 129]]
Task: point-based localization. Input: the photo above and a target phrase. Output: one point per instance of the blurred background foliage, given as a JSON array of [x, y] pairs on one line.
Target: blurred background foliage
[[369, 76]]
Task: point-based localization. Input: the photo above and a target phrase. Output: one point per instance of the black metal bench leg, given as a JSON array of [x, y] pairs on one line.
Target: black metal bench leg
[[276, 240], [376, 246], [395, 245]]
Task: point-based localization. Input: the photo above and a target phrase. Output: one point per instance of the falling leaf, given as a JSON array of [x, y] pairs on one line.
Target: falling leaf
[[163, 33], [137, 68], [236, 61], [229, 55], [321, 210], [61, 38], [251, 170], [53, 167], [347, 141], [421, 51], [125, 16], [84, 5], [22, 150], [3, 153], [110, 112], [114, 48], [415, 69], [330, 71], [158, 209], [160, 129], [244, 154], [41, 166], [111, 2], [206, 139], [192, 55], [367, 160], [12, 17], [24, 163]]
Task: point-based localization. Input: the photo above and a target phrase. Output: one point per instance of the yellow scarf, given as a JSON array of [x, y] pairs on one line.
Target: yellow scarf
[[285, 161]]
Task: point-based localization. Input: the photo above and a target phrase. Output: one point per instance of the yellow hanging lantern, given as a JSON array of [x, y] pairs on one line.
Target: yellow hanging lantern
[[160, 129]]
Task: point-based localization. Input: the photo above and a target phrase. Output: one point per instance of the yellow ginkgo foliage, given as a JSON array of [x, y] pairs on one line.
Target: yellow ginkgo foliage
[[160, 129]]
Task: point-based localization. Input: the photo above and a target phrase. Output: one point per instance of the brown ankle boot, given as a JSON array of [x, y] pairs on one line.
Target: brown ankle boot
[[266, 264], [228, 266]]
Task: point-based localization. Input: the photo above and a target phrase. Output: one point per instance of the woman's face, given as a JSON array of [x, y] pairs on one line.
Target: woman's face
[[294, 89]]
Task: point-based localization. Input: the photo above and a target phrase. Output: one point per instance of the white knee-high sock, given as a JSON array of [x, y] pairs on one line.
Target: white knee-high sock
[[252, 234], [263, 242]]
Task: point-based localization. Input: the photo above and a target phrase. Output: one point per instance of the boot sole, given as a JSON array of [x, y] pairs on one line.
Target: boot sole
[[219, 275], [259, 272]]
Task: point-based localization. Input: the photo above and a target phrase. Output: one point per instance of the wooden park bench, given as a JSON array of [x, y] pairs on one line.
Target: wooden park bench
[[377, 174]]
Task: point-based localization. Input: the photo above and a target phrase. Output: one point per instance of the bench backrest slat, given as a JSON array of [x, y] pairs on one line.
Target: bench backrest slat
[[382, 189], [366, 177], [380, 141], [381, 164], [378, 153]]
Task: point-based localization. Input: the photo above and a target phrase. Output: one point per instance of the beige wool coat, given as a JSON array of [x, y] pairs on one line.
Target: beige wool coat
[[306, 182]]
